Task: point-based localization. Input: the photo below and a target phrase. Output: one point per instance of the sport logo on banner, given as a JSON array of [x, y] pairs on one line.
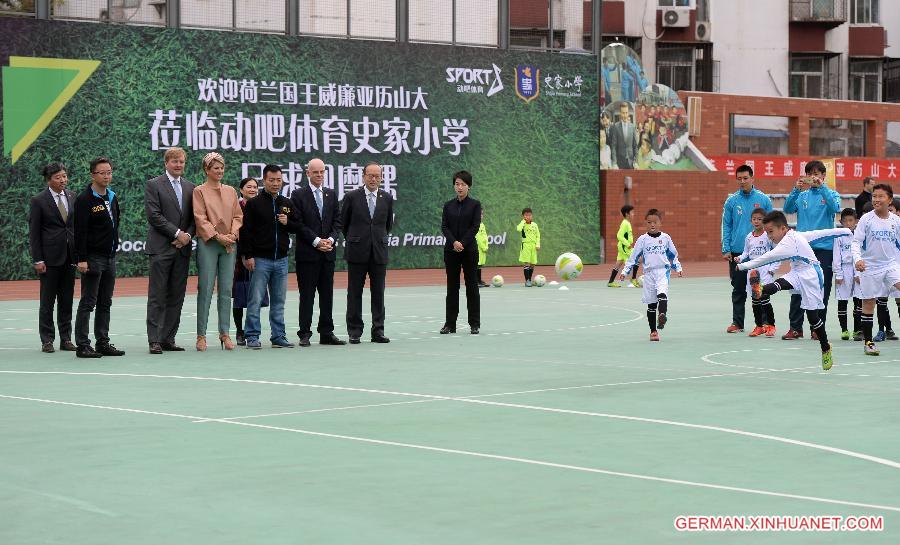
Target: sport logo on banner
[[528, 82], [35, 90], [474, 80]]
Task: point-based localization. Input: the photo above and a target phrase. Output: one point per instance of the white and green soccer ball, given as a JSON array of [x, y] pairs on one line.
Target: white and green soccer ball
[[540, 280], [568, 266], [497, 281]]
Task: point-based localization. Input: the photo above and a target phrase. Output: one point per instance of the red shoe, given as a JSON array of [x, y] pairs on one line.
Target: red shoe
[[770, 330], [791, 335], [654, 336], [757, 331], [813, 336], [734, 329]]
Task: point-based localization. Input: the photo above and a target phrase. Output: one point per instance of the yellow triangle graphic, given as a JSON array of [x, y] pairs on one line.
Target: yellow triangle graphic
[[85, 69]]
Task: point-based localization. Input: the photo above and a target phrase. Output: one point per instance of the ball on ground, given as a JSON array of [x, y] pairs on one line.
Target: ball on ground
[[497, 281], [568, 266], [540, 280]]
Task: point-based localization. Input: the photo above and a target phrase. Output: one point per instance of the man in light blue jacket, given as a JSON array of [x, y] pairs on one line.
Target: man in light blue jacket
[[816, 208], [735, 226]]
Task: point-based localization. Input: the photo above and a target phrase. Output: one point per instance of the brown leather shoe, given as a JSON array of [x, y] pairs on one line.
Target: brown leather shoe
[[155, 348], [67, 346], [47, 348]]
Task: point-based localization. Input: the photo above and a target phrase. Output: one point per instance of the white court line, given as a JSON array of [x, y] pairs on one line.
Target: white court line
[[479, 455], [776, 438], [318, 410]]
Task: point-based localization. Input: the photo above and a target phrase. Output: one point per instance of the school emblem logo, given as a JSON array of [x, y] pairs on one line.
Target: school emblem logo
[[756, 205], [528, 82], [739, 209]]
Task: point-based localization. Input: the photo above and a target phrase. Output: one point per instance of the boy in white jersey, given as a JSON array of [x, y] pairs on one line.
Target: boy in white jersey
[[756, 244], [845, 278], [876, 249], [659, 256], [805, 277]]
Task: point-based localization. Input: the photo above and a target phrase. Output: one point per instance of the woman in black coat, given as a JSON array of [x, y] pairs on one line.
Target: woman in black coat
[[459, 223]]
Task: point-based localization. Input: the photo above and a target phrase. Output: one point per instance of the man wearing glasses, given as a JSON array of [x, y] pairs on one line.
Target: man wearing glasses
[[735, 226], [96, 239], [367, 215]]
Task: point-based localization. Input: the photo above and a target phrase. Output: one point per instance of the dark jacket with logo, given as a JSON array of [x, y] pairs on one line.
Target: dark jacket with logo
[[262, 235], [96, 224]]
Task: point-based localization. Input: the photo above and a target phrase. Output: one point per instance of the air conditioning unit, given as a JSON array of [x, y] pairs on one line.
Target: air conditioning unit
[[702, 31], [676, 17]]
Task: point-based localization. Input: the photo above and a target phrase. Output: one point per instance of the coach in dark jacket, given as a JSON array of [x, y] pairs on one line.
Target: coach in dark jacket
[[52, 237], [316, 209], [168, 204], [367, 215], [459, 223], [96, 240]]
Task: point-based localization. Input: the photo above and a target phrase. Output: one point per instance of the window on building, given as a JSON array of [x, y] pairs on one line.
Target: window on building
[[762, 134], [891, 87], [685, 68], [892, 139], [837, 137], [864, 11], [673, 3], [865, 80], [815, 76], [703, 10]]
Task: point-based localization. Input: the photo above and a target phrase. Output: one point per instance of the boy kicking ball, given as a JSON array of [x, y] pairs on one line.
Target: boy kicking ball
[[659, 256], [876, 249], [805, 276]]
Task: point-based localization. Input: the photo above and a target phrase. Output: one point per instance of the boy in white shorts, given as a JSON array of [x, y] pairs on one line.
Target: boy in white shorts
[[845, 277], [756, 243], [659, 256], [876, 249], [805, 277]]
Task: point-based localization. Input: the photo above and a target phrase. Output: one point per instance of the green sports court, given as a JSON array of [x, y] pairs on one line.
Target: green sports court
[[559, 424]]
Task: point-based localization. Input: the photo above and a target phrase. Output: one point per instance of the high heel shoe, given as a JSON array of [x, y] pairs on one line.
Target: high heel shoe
[[201, 343], [225, 342]]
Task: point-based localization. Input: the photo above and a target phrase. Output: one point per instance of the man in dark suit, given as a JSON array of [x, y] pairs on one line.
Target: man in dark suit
[[316, 208], [623, 139], [662, 141], [52, 238], [367, 215], [168, 204]]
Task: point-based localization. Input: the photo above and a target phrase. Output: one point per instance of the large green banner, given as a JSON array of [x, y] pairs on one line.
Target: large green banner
[[524, 124]]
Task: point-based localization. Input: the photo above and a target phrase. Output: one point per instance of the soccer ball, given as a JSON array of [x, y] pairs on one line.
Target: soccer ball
[[540, 280], [568, 266], [497, 281]]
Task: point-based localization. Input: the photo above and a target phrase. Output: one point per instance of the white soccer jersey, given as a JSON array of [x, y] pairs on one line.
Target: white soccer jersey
[[843, 257], [795, 247], [877, 242], [755, 246], [658, 253]]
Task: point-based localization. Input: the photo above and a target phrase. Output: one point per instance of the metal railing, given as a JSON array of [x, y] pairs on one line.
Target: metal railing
[[818, 10]]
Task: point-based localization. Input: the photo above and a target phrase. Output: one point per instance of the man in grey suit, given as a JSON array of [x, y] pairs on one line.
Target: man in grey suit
[[623, 139], [168, 202], [367, 215], [52, 237]]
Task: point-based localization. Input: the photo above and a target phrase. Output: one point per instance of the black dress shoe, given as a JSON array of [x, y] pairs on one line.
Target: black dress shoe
[[474, 330], [107, 349], [170, 347], [304, 341], [380, 339], [331, 339], [155, 348], [447, 329], [87, 352], [240, 340], [47, 348], [354, 340], [67, 346]]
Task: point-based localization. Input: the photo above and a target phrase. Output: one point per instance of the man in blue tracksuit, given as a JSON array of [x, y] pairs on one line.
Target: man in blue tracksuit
[[815, 208], [735, 226]]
